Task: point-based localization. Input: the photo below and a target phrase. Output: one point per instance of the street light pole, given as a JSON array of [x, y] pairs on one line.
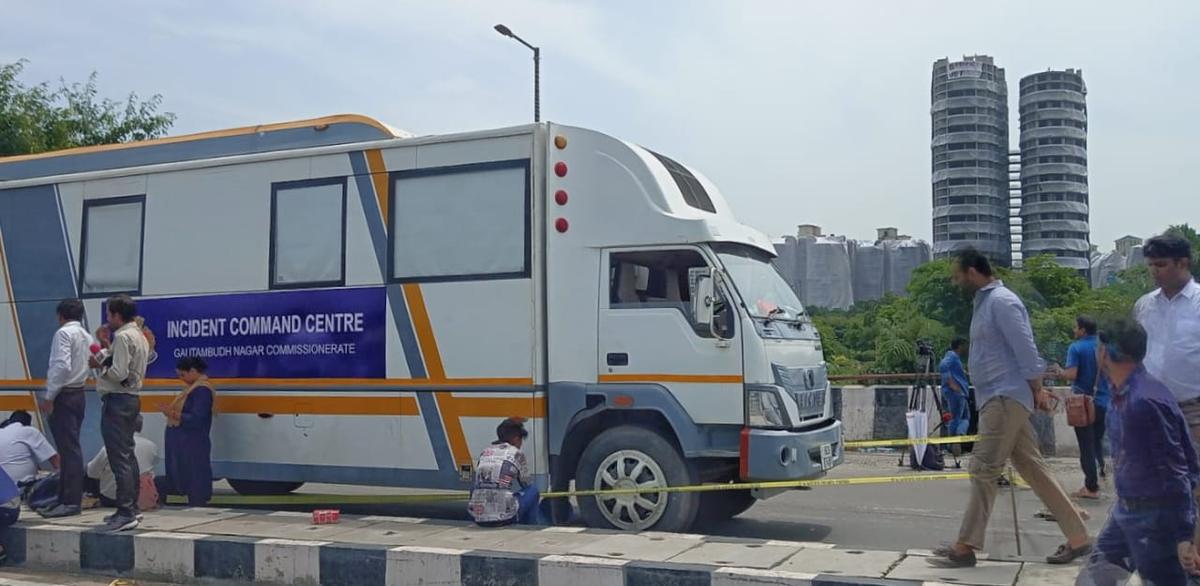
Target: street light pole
[[537, 70]]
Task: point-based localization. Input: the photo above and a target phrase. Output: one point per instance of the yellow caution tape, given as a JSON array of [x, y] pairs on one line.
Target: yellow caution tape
[[958, 439], [364, 499]]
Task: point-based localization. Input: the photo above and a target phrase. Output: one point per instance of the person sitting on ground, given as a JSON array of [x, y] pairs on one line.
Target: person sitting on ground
[[23, 450], [188, 445], [1155, 472], [100, 478], [503, 492]]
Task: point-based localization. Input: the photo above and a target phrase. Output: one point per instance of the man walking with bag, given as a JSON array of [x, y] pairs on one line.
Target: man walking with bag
[[120, 385], [1088, 404], [64, 402], [1008, 372]]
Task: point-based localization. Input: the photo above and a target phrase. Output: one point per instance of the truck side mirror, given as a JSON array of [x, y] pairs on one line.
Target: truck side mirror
[[704, 299]]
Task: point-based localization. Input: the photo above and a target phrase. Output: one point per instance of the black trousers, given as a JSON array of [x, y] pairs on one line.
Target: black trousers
[[1091, 449], [65, 422], [117, 423]]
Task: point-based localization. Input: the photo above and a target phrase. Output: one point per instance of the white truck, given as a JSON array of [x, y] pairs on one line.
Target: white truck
[[372, 304]]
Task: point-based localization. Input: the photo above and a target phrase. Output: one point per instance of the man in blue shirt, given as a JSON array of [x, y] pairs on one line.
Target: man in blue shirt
[[954, 389], [1084, 373], [1155, 472], [1008, 375]]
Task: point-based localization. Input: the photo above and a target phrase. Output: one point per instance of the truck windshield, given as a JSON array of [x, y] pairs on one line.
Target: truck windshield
[[763, 289]]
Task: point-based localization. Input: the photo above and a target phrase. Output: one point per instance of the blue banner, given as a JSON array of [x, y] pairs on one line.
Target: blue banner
[[329, 333]]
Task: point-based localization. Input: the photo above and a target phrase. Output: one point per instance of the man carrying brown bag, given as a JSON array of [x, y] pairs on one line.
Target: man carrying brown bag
[[1088, 405]]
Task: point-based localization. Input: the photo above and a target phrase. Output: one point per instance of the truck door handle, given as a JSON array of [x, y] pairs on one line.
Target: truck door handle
[[618, 359]]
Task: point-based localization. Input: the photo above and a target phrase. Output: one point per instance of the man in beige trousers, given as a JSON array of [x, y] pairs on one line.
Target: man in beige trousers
[[1007, 373]]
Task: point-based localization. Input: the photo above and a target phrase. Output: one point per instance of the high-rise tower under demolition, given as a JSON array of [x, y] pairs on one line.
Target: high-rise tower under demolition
[[1054, 177], [969, 107]]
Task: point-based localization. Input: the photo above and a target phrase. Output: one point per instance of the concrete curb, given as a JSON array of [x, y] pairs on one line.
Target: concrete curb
[[192, 557]]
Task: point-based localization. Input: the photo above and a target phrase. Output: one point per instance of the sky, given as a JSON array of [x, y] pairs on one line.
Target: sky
[[801, 112]]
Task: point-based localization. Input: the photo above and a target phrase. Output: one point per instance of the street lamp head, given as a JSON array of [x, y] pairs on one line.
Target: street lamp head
[[503, 30]]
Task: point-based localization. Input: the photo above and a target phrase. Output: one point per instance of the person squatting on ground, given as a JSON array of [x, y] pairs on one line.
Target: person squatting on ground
[[503, 492]]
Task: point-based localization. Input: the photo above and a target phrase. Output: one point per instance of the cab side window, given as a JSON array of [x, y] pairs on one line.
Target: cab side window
[[662, 279]]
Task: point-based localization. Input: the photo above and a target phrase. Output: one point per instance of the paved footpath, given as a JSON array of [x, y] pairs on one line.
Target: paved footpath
[[184, 545]]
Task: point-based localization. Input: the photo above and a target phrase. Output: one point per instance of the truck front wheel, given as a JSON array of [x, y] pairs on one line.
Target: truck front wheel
[[634, 457]]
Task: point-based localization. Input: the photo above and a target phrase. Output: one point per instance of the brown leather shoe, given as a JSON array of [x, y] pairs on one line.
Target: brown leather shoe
[[1066, 554], [948, 558]]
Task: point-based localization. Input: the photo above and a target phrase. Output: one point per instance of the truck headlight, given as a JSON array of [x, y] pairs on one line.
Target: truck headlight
[[764, 408]]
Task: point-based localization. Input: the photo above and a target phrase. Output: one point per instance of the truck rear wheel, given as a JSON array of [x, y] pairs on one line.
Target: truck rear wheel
[[634, 457], [262, 487]]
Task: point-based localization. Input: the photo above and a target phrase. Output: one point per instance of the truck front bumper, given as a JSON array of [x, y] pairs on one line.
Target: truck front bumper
[[768, 454]]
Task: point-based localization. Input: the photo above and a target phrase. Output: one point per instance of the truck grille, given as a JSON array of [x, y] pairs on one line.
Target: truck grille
[[807, 386]]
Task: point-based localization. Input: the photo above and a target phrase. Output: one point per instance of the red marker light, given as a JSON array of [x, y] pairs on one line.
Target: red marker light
[[560, 197], [561, 225], [560, 169]]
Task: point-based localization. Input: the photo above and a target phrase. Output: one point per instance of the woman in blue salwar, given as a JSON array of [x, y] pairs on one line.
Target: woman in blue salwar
[[188, 445]]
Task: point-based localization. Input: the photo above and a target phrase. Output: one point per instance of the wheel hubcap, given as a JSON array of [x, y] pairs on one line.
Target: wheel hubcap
[[629, 469]]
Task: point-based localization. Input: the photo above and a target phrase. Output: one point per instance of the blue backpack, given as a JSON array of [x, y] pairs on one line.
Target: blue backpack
[[43, 493]]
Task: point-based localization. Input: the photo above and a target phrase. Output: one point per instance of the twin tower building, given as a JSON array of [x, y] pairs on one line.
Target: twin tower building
[[1009, 203]]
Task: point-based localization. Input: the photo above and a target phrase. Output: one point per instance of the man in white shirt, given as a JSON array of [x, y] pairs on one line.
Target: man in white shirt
[[1171, 317], [144, 451], [65, 402]]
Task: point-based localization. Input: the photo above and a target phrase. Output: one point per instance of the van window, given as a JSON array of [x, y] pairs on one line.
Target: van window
[[661, 279], [458, 223], [308, 233], [111, 257]]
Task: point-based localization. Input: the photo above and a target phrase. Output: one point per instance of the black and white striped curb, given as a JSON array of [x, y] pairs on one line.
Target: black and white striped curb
[[192, 557]]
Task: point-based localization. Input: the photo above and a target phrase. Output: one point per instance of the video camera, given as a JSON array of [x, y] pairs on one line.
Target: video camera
[[924, 348]]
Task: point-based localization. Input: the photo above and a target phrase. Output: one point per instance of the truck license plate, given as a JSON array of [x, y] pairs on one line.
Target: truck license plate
[[827, 456]]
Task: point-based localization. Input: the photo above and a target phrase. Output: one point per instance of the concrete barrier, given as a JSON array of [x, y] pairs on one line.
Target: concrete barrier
[[878, 412]]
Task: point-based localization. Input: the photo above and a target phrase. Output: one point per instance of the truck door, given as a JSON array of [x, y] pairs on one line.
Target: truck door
[[648, 333]]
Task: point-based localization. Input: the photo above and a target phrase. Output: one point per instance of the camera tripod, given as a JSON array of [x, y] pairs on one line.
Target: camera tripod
[[926, 386]]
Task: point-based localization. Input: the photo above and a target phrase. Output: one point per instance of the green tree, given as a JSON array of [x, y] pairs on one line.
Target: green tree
[[37, 118], [939, 299], [1057, 285]]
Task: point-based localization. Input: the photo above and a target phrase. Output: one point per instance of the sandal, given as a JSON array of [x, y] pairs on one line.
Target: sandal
[[1084, 493], [1066, 554]]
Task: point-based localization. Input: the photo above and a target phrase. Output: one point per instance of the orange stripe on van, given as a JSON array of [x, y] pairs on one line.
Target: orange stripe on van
[[22, 402], [379, 178], [298, 405], [424, 329], [501, 407], [308, 123], [671, 378]]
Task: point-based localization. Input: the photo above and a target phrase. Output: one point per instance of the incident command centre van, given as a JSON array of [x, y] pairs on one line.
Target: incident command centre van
[[372, 304]]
